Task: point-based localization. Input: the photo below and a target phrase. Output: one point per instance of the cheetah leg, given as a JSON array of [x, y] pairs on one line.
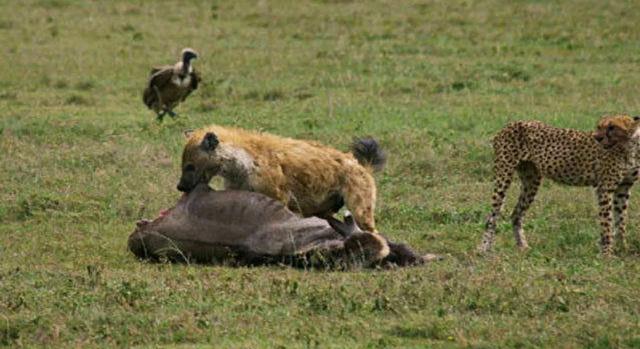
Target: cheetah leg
[[531, 179], [620, 204], [605, 195], [502, 183]]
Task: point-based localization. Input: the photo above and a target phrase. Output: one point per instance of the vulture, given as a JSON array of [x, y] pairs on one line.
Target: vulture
[[171, 84]]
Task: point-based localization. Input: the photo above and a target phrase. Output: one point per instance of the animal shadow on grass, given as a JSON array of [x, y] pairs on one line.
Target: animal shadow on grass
[[315, 260], [436, 330]]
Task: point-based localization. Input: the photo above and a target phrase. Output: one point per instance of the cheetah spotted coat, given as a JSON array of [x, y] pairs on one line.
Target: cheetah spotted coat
[[535, 150]]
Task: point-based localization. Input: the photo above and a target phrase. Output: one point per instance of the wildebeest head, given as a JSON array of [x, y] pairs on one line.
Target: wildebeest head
[[372, 246]]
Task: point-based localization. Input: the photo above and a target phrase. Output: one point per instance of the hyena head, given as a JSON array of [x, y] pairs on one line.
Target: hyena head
[[616, 130], [199, 160]]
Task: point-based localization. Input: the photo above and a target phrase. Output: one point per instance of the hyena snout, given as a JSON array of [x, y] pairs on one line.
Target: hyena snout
[[192, 176], [186, 184], [183, 187]]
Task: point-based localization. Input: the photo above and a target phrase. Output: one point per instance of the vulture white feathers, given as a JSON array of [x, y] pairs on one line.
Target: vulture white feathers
[[171, 84]]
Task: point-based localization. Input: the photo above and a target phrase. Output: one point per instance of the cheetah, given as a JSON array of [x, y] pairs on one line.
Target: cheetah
[[607, 159]]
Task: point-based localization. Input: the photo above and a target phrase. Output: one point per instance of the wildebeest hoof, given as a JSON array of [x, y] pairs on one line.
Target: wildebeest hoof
[[142, 223], [430, 257]]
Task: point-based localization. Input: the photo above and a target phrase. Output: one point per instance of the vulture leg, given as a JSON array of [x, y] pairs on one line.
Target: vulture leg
[[160, 115], [160, 103], [172, 113]]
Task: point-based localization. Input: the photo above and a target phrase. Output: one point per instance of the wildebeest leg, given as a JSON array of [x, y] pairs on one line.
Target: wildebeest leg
[[149, 244], [171, 113], [160, 115], [402, 255]]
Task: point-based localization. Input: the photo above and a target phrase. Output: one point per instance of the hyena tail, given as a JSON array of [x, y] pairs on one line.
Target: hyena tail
[[369, 153]]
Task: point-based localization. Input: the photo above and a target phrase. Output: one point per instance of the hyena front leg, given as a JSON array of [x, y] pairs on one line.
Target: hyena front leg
[[359, 194], [605, 194], [620, 204]]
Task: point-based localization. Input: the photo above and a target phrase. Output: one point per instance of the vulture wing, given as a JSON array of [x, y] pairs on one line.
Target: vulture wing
[[195, 79], [159, 77], [157, 69]]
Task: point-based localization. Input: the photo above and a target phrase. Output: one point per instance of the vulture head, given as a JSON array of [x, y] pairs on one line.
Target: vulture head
[[188, 54]]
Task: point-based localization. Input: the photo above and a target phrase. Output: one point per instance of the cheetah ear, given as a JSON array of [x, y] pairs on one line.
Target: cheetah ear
[[188, 133], [636, 118], [209, 142]]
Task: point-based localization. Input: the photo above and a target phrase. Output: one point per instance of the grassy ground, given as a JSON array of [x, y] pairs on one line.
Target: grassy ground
[[82, 159]]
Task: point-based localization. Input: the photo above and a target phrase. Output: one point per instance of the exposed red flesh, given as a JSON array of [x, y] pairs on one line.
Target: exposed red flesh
[[165, 212]]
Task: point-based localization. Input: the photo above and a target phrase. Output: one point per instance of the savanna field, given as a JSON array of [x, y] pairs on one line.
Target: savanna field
[[82, 159]]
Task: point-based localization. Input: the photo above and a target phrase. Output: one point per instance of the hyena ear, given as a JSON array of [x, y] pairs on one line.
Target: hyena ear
[[636, 118], [188, 133], [209, 142]]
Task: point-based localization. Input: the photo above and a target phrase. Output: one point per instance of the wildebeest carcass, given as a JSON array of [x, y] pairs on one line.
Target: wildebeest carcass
[[247, 228], [170, 85]]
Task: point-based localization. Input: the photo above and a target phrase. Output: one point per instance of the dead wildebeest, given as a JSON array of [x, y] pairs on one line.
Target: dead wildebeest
[[247, 228]]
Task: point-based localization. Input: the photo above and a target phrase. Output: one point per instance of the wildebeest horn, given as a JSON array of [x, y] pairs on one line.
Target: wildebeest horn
[[345, 228]]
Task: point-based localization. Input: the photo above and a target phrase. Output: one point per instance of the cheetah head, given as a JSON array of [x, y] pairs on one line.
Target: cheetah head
[[616, 130]]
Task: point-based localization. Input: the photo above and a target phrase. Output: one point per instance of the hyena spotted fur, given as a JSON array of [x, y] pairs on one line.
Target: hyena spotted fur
[[308, 177]]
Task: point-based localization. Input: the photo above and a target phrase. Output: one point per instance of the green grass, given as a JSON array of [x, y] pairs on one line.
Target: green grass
[[82, 160]]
